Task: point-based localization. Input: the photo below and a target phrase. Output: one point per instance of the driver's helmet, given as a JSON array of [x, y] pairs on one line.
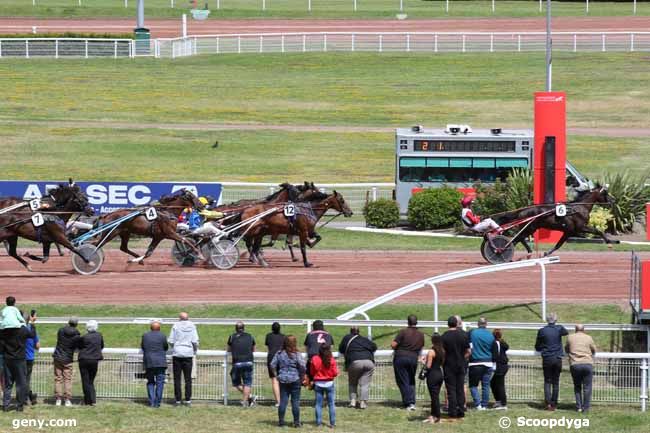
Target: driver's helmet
[[204, 201], [466, 201]]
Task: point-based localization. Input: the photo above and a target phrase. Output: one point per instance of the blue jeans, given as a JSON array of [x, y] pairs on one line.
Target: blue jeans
[[155, 385], [289, 390], [482, 374], [242, 373], [330, 404]]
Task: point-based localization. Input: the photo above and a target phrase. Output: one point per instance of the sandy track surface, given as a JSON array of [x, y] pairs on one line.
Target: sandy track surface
[[172, 28], [337, 276]]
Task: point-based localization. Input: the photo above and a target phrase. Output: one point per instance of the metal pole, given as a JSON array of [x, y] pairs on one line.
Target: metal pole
[[225, 379], [355, 5], [172, 4], [549, 48], [634, 8], [447, 6], [263, 5], [543, 268], [493, 7], [309, 5], [374, 193], [435, 303], [126, 3], [644, 384], [401, 5], [369, 326], [540, 5], [184, 24], [140, 14], [632, 49]]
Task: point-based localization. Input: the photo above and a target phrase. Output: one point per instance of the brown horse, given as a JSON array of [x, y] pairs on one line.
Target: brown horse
[[307, 215], [575, 223], [57, 208], [162, 227]]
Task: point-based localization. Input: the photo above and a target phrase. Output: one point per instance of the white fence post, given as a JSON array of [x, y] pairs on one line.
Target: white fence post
[[408, 42], [217, 43], [309, 5], [0, 49], [587, 6], [374, 193], [447, 5], [401, 5], [33, 2], [225, 379], [381, 43], [463, 43], [196, 46], [491, 42], [604, 49], [261, 44], [56, 49], [238, 44], [282, 43], [493, 7], [352, 43], [26, 49], [634, 8], [263, 5], [355, 5], [518, 43], [126, 3], [435, 43], [218, 4], [644, 384], [86, 47], [304, 43], [575, 42], [325, 42], [540, 5], [631, 41], [172, 4]]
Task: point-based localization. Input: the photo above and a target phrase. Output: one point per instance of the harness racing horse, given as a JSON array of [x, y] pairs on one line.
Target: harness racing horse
[[307, 216], [574, 223], [61, 202], [162, 227]]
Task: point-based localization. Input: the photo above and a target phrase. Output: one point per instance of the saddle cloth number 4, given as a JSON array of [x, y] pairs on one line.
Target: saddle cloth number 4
[[290, 210], [151, 214]]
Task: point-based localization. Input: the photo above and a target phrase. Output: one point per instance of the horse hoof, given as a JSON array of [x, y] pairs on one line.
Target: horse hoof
[[264, 264], [294, 260], [309, 265], [29, 268]]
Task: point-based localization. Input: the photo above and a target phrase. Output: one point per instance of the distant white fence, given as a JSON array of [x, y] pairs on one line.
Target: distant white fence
[[423, 42], [66, 47]]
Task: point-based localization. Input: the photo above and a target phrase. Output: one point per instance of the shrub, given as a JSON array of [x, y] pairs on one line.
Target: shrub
[[629, 195], [434, 208], [519, 189], [382, 213], [600, 218], [516, 192]]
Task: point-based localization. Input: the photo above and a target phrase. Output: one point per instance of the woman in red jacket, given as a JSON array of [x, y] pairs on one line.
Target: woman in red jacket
[[323, 369]]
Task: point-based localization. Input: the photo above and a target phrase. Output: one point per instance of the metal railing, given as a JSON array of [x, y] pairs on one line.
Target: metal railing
[[66, 47], [425, 42], [618, 378], [355, 194]]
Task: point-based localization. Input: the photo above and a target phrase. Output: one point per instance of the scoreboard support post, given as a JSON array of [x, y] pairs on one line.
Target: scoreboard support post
[[549, 159]]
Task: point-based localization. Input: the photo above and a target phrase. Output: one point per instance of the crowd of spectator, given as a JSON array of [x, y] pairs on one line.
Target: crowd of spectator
[[478, 358]]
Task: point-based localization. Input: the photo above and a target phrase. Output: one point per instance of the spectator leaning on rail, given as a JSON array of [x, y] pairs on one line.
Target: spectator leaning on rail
[[407, 346], [324, 370], [242, 345], [154, 357], [90, 353], [14, 341], [456, 345], [289, 369], [581, 348], [274, 342], [359, 355], [66, 344], [433, 361], [549, 344], [498, 383], [481, 364], [31, 346], [185, 342], [314, 340]]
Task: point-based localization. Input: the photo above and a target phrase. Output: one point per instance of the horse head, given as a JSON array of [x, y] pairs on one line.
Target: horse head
[[337, 202], [70, 197], [182, 198]]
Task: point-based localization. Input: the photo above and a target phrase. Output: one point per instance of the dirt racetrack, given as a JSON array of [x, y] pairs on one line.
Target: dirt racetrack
[[163, 28], [337, 276]]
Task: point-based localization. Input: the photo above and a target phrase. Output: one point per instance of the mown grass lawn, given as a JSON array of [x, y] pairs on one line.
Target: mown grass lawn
[[214, 337], [320, 8], [128, 417]]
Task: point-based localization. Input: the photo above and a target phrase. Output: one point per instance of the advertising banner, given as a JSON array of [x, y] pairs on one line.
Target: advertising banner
[[106, 197]]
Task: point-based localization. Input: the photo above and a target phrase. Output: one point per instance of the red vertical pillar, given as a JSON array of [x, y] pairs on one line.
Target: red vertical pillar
[[647, 221], [645, 285], [549, 158]]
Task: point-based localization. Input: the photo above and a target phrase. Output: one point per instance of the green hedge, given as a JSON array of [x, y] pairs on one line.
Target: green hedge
[[382, 213], [434, 208], [68, 35]]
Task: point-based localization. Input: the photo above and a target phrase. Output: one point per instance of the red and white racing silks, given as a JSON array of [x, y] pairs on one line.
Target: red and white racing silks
[[468, 217]]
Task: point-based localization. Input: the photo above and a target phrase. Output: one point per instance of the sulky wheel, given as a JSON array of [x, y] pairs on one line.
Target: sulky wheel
[[501, 250], [222, 254], [183, 255], [94, 256]]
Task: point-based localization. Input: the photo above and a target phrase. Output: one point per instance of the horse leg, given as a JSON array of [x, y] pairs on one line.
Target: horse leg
[[303, 249], [124, 246], [595, 231], [529, 250], [251, 253], [317, 239], [12, 244], [58, 248], [559, 244], [257, 248], [59, 237], [289, 244]]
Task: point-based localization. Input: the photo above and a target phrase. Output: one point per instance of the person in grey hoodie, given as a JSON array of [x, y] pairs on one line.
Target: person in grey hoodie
[[185, 341]]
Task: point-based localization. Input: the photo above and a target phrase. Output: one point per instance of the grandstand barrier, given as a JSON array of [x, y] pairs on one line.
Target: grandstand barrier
[[619, 378]]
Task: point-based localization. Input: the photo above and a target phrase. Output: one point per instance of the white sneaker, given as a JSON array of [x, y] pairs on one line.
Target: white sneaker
[[481, 408], [68, 403], [58, 402], [499, 407], [363, 405], [353, 403], [252, 400], [411, 408]]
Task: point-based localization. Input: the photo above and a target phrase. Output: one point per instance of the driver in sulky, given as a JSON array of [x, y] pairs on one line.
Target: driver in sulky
[[474, 222]]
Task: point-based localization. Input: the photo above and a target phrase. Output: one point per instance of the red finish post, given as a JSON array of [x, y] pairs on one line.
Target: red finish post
[[647, 221], [645, 285], [550, 121]]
